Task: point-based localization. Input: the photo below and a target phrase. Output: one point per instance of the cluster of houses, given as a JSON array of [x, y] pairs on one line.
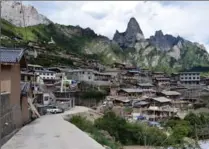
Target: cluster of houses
[[155, 96], [28, 89]]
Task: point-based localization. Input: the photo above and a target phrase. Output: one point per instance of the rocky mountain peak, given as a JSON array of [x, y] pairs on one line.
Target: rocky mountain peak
[[163, 42], [133, 26], [12, 11], [159, 33], [132, 34]]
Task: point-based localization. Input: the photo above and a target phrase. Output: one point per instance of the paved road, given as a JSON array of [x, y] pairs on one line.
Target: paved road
[[52, 132]]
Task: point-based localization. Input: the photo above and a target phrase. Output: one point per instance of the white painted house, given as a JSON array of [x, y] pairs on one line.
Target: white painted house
[[46, 74], [189, 78], [89, 75]]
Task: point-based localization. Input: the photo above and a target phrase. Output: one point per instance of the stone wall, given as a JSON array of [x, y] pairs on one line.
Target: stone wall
[[7, 123]]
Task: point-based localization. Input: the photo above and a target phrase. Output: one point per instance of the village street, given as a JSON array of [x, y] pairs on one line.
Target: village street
[[52, 132]]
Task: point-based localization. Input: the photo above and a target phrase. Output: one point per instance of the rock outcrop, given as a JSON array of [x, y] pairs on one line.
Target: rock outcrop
[[14, 12], [132, 34], [163, 42]]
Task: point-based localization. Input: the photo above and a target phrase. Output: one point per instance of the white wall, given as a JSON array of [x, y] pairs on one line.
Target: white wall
[[190, 77], [81, 75], [47, 75]]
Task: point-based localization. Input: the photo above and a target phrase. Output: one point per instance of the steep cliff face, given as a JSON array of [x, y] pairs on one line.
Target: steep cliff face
[[132, 34], [14, 12]]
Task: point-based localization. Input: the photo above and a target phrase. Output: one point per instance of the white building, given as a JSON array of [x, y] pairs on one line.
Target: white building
[[89, 75], [35, 67], [188, 78], [46, 74], [81, 74]]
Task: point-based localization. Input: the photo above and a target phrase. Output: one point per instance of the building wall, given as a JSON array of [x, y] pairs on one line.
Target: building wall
[[11, 75], [46, 75], [25, 110], [7, 125], [28, 78], [34, 67], [46, 99], [186, 77], [102, 77], [81, 75]]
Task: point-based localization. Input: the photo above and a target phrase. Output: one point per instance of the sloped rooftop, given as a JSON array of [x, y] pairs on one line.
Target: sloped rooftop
[[132, 90], [161, 99], [10, 55], [171, 93]]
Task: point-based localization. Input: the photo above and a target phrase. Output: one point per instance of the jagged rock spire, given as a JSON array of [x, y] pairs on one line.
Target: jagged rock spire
[[132, 34], [133, 26]]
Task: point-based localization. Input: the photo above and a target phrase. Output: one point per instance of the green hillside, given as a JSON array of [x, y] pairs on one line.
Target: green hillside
[[88, 45]]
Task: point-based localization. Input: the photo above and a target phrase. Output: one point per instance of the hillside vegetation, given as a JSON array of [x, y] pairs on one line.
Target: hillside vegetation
[[87, 44]]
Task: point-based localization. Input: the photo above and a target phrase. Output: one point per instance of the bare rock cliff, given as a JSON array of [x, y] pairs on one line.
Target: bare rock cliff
[[14, 13]]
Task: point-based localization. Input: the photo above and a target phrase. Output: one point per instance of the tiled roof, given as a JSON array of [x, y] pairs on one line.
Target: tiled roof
[[44, 70], [145, 84], [170, 93], [162, 79], [10, 55], [161, 99], [132, 90]]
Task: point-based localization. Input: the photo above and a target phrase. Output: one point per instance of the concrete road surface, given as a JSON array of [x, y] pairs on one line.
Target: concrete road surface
[[52, 132]]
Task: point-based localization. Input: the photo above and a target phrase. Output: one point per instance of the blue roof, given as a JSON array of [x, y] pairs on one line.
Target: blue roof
[[134, 71], [10, 55], [141, 117]]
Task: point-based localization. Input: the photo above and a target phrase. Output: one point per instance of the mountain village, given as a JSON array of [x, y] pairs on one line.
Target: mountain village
[[34, 94], [28, 91]]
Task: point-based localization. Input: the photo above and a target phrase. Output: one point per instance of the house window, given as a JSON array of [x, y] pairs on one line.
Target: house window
[[5, 86], [185, 77], [89, 77], [190, 78], [193, 77], [46, 98]]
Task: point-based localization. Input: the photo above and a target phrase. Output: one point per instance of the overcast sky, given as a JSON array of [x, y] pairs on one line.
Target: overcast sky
[[187, 19]]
